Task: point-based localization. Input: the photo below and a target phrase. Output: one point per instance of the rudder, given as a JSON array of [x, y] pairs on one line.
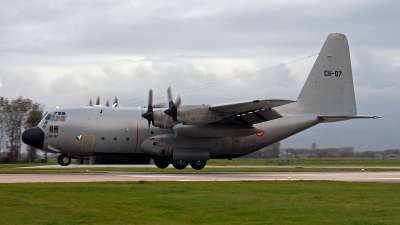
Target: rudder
[[329, 88]]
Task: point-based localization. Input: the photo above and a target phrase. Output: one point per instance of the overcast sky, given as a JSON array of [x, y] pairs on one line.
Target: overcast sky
[[66, 52]]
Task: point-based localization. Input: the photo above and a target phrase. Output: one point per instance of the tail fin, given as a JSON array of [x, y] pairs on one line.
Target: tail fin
[[329, 88]]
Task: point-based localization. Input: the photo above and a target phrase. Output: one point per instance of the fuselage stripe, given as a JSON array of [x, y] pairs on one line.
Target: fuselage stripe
[[59, 147], [137, 136], [160, 145]]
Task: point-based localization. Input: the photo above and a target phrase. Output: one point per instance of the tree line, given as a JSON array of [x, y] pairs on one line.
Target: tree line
[[15, 116]]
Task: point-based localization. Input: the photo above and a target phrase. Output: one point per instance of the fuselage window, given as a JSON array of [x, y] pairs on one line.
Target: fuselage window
[[53, 129]]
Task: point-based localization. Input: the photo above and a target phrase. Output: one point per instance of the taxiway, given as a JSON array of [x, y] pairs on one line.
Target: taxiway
[[387, 177]]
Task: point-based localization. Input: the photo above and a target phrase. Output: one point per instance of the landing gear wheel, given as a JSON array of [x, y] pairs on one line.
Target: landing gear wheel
[[198, 164], [162, 163], [180, 164], [64, 160]]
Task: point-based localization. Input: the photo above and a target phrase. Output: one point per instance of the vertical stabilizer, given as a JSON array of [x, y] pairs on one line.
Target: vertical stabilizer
[[329, 87]]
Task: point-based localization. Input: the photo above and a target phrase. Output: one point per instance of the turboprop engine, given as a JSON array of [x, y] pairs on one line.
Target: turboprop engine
[[176, 114]]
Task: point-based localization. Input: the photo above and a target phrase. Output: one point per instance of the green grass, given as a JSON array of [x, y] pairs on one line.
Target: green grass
[[333, 161], [260, 202]]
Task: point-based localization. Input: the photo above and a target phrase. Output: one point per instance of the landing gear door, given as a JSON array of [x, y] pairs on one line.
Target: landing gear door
[[87, 143]]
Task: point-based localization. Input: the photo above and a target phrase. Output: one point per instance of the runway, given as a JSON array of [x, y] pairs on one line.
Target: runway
[[384, 177]]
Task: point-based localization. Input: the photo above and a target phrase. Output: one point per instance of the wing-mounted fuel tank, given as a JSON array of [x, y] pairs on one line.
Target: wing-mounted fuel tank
[[178, 148], [215, 130]]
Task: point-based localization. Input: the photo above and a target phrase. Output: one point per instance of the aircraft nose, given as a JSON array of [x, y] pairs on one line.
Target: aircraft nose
[[33, 137]]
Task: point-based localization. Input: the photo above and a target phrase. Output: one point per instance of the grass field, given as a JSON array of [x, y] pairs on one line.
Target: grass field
[[276, 202], [332, 161]]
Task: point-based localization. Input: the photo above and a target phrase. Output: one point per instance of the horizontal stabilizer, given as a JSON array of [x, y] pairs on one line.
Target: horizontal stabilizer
[[329, 119]]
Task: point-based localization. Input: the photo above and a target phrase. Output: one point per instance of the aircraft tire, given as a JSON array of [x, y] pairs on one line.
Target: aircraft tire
[[162, 163], [64, 160], [198, 164], [180, 164]]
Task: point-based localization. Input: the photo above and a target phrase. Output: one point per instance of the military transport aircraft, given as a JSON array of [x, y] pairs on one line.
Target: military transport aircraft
[[193, 134]]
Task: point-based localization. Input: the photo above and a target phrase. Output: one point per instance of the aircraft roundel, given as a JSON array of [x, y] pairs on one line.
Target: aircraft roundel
[[259, 134]]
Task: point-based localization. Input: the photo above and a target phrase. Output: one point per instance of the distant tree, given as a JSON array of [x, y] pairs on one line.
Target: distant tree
[[14, 114], [1, 125], [272, 151], [35, 114]]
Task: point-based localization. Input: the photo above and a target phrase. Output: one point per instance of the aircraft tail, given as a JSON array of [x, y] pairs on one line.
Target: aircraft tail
[[329, 88]]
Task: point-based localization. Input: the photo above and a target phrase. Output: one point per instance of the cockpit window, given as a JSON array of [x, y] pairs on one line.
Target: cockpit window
[[56, 117], [47, 117]]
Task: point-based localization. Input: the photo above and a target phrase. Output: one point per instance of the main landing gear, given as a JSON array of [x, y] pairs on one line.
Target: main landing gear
[[180, 164], [198, 164], [64, 159], [162, 163]]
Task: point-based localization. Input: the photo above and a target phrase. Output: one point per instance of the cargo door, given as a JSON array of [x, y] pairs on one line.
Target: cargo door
[[87, 143]]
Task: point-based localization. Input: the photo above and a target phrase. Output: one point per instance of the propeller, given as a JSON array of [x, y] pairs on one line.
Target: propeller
[[173, 107], [115, 102], [90, 102], [98, 100], [149, 115]]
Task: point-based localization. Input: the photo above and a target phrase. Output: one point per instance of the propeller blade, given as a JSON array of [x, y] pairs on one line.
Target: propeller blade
[[150, 98], [172, 107], [90, 102], [169, 92], [178, 101], [115, 102], [98, 100], [108, 103], [149, 114]]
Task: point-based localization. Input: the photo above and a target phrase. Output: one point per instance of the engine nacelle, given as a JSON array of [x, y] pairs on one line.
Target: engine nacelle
[[162, 120], [197, 114], [188, 115]]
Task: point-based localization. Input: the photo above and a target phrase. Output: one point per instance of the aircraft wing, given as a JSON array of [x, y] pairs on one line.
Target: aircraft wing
[[329, 119], [249, 112]]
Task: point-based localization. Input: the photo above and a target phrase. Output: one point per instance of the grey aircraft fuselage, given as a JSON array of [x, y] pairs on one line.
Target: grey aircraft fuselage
[[194, 134], [91, 130]]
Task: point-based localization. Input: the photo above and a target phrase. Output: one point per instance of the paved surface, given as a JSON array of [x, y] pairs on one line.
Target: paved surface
[[387, 177], [207, 166]]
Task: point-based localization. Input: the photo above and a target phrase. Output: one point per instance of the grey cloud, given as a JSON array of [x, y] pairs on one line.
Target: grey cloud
[[65, 84], [61, 52]]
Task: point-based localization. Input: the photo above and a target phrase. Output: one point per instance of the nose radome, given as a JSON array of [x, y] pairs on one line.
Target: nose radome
[[33, 137]]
